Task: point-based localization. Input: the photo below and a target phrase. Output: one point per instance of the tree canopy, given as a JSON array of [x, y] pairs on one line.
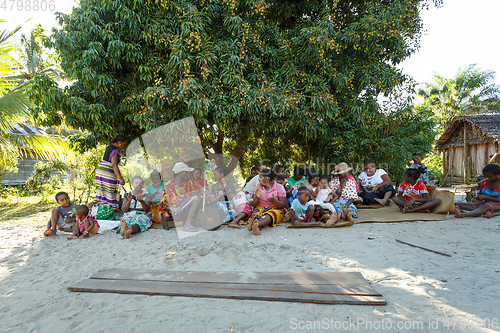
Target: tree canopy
[[470, 91], [280, 73]]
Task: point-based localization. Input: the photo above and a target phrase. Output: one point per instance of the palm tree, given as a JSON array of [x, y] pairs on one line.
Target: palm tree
[[14, 107], [468, 92]]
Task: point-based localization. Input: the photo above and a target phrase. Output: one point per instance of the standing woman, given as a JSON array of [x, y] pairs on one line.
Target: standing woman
[[108, 175]]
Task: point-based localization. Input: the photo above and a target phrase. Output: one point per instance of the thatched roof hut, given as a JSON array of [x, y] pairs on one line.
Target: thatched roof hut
[[468, 145]]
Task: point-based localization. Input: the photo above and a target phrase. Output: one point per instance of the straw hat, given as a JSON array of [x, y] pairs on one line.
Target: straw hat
[[179, 167], [341, 168]]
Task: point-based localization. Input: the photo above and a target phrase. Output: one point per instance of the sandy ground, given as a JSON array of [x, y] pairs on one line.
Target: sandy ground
[[424, 291]]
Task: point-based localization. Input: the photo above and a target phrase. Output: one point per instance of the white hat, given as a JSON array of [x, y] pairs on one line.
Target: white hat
[[180, 166], [341, 168]]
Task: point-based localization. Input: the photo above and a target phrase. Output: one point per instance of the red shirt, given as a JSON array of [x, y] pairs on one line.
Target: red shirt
[[174, 194], [412, 191]]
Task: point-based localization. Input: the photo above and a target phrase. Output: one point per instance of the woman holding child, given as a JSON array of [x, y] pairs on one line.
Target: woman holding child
[[344, 186], [375, 185], [136, 204], [269, 199]]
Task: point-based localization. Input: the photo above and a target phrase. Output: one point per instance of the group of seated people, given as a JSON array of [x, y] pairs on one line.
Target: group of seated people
[[269, 197]]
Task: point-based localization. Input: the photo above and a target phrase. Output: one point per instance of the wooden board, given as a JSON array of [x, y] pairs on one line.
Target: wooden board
[[308, 287]]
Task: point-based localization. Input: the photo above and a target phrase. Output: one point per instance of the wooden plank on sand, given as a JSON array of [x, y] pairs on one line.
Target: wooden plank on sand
[[346, 279], [323, 294]]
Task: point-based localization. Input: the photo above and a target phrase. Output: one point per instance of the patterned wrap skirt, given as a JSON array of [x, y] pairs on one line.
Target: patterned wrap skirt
[[136, 217], [107, 185], [229, 214], [276, 215], [156, 212], [242, 203], [341, 202]]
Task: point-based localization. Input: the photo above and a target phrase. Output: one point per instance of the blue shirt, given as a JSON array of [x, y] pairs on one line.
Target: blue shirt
[[299, 209]]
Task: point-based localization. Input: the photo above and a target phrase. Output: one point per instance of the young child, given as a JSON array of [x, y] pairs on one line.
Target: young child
[[422, 169], [62, 216], [323, 209], [198, 181], [412, 195], [489, 196], [85, 223], [303, 211], [253, 172]]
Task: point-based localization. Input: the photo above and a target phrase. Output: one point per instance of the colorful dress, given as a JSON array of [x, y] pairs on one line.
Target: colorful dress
[[492, 205], [81, 225], [106, 180], [349, 191], [136, 215], [414, 191], [178, 196], [157, 211], [268, 208]]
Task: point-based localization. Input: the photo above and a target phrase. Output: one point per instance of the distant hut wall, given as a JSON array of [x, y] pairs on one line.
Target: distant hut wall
[[480, 149]]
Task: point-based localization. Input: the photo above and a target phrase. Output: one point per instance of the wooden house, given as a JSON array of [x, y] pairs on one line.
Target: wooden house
[[468, 145], [26, 163]]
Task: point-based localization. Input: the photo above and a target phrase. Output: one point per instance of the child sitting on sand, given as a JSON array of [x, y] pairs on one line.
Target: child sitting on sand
[[412, 196], [85, 223], [303, 211], [489, 197], [62, 216], [323, 208]]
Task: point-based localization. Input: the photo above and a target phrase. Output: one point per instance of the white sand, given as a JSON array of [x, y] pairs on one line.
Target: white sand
[[418, 285]]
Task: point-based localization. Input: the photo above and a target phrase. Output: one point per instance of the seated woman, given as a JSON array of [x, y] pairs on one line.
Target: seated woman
[[181, 194], [242, 199], [375, 185], [489, 196], [412, 196], [269, 200], [155, 190], [222, 193], [344, 186], [135, 206]]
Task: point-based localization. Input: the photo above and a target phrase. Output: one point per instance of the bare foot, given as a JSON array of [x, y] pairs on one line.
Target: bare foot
[[249, 225], [350, 213], [235, 226], [256, 229], [72, 237], [124, 227], [458, 213], [403, 210], [334, 218], [49, 232], [85, 236], [344, 212], [488, 214], [128, 233], [382, 202]]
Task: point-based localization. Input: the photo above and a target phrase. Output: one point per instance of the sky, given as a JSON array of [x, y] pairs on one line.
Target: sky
[[459, 33]]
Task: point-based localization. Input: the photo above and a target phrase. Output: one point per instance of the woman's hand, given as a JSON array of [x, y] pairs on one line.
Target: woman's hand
[[258, 193], [375, 189], [129, 196], [270, 198], [122, 182]]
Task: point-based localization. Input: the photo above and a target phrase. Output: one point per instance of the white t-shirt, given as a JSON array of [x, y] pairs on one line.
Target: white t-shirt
[[374, 180], [252, 184], [323, 194], [299, 209]]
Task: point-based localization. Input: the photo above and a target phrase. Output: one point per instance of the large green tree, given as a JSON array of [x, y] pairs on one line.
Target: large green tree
[[470, 91], [286, 73]]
